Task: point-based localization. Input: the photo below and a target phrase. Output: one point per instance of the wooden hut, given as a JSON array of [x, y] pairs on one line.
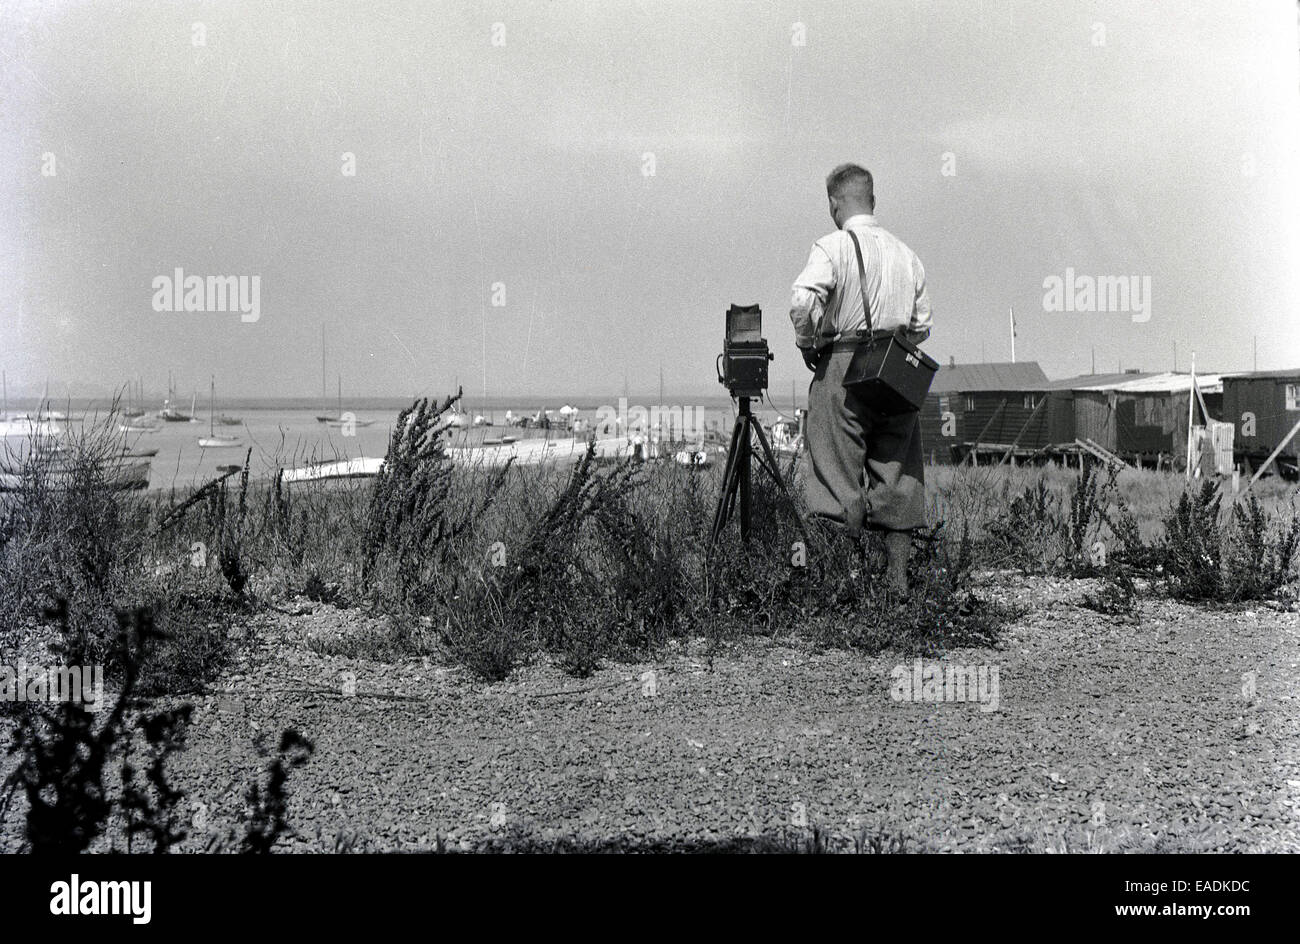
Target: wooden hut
[[1263, 407], [1139, 417], [964, 398]]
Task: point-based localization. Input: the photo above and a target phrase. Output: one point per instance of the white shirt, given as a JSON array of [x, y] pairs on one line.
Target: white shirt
[[826, 303]]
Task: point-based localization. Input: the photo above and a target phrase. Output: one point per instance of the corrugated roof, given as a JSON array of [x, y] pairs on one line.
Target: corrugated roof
[[1142, 383], [1094, 381], [1289, 374], [973, 378]]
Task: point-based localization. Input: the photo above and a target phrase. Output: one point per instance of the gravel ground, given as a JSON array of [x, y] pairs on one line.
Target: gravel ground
[[1107, 736]]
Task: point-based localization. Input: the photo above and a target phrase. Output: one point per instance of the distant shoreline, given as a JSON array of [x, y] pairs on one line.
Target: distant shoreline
[[375, 404]]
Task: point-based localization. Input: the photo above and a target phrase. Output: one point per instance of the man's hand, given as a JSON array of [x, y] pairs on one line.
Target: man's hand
[[810, 357]]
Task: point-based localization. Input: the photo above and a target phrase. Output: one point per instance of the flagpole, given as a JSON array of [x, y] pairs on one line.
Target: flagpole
[[1191, 405], [1012, 313]]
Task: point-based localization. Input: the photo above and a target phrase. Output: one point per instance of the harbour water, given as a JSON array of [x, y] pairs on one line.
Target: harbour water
[[283, 436]]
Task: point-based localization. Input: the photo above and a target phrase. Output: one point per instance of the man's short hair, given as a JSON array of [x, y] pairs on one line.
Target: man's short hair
[[850, 180]]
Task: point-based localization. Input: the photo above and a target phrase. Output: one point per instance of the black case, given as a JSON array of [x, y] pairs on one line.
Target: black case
[[891, 374]]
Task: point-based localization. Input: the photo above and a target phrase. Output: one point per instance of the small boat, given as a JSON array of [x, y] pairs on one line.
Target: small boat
[[349, 420], [169, 414], [338, 423], [361, 467], [28, 428], [691, 457], [224, 420], [132, 412], [214, 440], [120, 474], [137, 427]]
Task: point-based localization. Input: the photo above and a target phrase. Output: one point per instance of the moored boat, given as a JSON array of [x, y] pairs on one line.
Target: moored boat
[[215, 440]]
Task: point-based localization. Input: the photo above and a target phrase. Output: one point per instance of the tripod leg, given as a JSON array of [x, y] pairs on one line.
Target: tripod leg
[[776, 474], [727, 493], [746, 452]]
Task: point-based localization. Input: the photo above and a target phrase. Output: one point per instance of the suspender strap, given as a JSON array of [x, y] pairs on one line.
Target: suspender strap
[[862, 277]]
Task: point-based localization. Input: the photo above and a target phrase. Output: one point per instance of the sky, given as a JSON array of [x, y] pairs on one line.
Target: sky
[[564, 197]]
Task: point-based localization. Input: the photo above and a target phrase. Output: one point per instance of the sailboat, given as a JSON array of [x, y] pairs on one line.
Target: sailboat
[[338, 421], [322, 418], [132, 412], [213, 440], [42, 412], [137, 425], [169, 414]]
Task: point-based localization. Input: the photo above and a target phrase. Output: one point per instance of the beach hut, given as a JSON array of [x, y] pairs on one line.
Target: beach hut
[[989, 403], [1264, 407], [1140, 417]]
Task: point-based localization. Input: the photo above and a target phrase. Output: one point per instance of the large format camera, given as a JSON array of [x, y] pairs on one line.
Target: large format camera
[[744, 357], [742, 369]]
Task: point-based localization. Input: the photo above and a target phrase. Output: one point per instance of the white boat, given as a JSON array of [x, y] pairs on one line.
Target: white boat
[[28, 428], [214, 440], [692, 457], [350, 420], [540, 452], [137, 425], [362, 467]]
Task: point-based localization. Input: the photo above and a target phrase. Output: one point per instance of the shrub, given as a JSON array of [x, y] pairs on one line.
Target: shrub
[[1259, 552], [1029, 535], [1249, 559], [1193, 545], [419, 512]]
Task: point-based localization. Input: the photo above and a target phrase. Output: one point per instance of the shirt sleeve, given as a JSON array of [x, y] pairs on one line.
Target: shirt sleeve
[[919, 329], [809, 294]]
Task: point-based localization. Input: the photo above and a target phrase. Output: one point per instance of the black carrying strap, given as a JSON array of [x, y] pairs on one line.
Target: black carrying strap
[[862, 279]]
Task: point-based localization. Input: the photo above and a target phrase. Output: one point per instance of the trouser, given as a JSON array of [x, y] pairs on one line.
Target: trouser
[[867, 468]]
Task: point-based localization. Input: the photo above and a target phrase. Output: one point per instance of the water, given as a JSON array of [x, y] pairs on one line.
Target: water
[[290, 437]]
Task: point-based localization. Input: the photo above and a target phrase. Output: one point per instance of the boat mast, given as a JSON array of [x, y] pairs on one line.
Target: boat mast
[[212, 392]]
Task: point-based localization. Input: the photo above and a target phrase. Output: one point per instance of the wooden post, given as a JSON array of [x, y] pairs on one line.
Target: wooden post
[[1016, 441], [1191, 404], [978, 439], [1271, 456]]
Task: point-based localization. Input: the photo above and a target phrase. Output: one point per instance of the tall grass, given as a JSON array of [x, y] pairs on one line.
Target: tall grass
[[591, 562]]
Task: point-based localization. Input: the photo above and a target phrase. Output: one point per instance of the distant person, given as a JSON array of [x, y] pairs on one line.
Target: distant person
[[867, 468]]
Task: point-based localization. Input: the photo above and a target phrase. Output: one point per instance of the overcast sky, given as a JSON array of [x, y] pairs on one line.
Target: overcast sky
[[618, 173]]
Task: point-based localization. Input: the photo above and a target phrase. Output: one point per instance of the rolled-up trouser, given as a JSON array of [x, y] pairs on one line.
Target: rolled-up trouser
[[867, 467]]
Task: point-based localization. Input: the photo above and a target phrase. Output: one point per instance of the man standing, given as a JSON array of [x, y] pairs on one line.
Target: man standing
[[866, 467]]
